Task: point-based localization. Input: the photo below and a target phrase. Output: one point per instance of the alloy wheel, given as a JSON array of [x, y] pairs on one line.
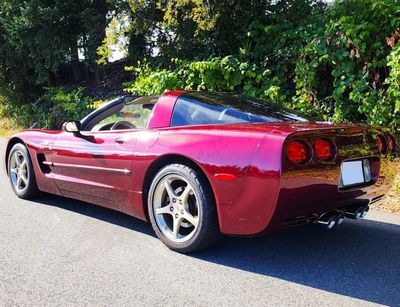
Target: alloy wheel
[[176, 209], [19, 172]]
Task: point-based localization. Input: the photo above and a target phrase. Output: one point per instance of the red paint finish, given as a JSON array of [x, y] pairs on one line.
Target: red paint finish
[[258, 184], [93, 164], [162, 112], [391, 143]]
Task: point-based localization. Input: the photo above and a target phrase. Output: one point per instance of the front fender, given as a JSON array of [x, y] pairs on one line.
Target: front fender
[[38, 143]]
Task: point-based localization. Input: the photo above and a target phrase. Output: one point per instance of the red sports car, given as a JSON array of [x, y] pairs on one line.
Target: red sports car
[[198, 165]]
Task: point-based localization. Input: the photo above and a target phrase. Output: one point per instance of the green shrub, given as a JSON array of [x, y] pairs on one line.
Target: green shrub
[[352, 53], [50, 110], [60, 104], [341, 61], [227, 74]]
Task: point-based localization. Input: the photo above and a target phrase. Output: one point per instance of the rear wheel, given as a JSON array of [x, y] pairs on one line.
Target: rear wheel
[[20, 172], [182, 209]]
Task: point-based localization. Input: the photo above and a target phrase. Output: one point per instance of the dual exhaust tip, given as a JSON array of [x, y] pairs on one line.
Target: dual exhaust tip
[[357, 213], [333, 219]]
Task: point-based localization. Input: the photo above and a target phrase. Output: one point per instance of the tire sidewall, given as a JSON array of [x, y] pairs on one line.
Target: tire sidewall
[[190, 175], [30, 190]]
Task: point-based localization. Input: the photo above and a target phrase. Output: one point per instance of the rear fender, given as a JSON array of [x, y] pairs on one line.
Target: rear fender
[[254, 207], [230, 153], [215, 153]]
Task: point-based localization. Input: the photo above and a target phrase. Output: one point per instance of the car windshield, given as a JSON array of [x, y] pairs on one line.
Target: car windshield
[[199, 108]]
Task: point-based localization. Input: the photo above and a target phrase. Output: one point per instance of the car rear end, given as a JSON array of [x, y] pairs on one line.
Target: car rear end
[[332, 172]]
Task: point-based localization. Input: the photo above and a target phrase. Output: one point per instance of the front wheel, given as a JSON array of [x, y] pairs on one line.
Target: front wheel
[[20, 172], [182, 209]]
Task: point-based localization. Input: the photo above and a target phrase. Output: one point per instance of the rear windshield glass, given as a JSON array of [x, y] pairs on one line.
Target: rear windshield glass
[[198, 108]]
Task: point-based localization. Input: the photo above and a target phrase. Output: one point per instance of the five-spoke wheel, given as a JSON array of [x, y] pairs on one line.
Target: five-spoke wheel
[[176, 208], [20, 172], [182, 209]]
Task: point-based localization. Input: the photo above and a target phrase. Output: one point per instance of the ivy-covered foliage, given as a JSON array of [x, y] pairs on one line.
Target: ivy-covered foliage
[[216, 74], [337, 58], [342, 61], [45, 43], [352, 53]]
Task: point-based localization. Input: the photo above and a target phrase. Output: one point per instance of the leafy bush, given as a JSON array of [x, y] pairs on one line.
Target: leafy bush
[[8, 125], [59, 104], [341, 61], [352, 53], [216, 74], [50, 110]]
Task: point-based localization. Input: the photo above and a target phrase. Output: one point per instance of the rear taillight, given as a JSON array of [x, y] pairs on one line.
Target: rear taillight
[[391, 143], [324, 149], [381, 143], [297, 152]]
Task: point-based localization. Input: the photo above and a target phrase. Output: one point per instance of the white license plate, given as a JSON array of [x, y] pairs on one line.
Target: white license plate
[[353, 172]]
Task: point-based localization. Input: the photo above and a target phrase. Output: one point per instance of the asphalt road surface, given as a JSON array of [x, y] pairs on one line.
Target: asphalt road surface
[[56, 251]]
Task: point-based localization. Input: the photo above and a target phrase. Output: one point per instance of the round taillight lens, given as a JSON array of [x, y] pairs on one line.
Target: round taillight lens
[[391, 143], [381, 143], [297, 152], [324, 149]]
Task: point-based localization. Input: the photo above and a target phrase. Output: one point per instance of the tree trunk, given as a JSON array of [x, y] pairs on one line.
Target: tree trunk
[[76, 67]]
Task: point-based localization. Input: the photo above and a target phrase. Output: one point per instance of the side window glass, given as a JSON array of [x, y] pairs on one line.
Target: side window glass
[[135, 114], [191, 112]]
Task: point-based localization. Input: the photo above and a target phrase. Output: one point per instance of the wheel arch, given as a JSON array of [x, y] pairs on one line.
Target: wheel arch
[[163, 161], [10, 145]]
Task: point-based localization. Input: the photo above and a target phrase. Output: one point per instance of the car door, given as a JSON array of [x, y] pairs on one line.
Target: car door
[[94, 166]]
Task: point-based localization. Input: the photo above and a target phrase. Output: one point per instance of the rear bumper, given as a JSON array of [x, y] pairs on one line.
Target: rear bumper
[[275, 202], [303, 198], [277, 193]]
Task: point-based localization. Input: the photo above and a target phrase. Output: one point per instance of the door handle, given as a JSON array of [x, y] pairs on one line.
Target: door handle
[[120, 141]]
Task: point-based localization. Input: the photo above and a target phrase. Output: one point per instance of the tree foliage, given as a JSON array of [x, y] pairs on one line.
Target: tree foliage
[[227, 74], [38, 37], [352, 52], [339, 59]]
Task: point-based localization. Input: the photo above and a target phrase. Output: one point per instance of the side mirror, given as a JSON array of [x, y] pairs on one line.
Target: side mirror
[[73, 126]]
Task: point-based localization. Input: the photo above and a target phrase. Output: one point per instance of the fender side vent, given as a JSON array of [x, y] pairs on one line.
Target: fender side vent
[[43, 164]]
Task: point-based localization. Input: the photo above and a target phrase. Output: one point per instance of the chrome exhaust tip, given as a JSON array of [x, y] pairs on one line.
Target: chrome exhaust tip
[[329, 220], [340, 219], [365, 212], [357, 212], [331, 223]]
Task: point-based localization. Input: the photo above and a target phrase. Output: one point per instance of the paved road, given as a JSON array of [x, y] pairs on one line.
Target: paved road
[[55, 251]]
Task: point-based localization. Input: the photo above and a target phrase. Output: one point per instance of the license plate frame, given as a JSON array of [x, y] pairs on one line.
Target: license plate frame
[[352, 173]]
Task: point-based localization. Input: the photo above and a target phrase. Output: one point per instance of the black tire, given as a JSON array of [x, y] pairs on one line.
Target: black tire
[[206, 232], [30, 189]]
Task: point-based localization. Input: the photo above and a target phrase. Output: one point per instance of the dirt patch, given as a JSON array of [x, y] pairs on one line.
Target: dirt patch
[[391, 202]]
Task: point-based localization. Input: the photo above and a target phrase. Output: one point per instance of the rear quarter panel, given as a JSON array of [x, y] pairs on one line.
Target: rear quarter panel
[[245, 204]]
